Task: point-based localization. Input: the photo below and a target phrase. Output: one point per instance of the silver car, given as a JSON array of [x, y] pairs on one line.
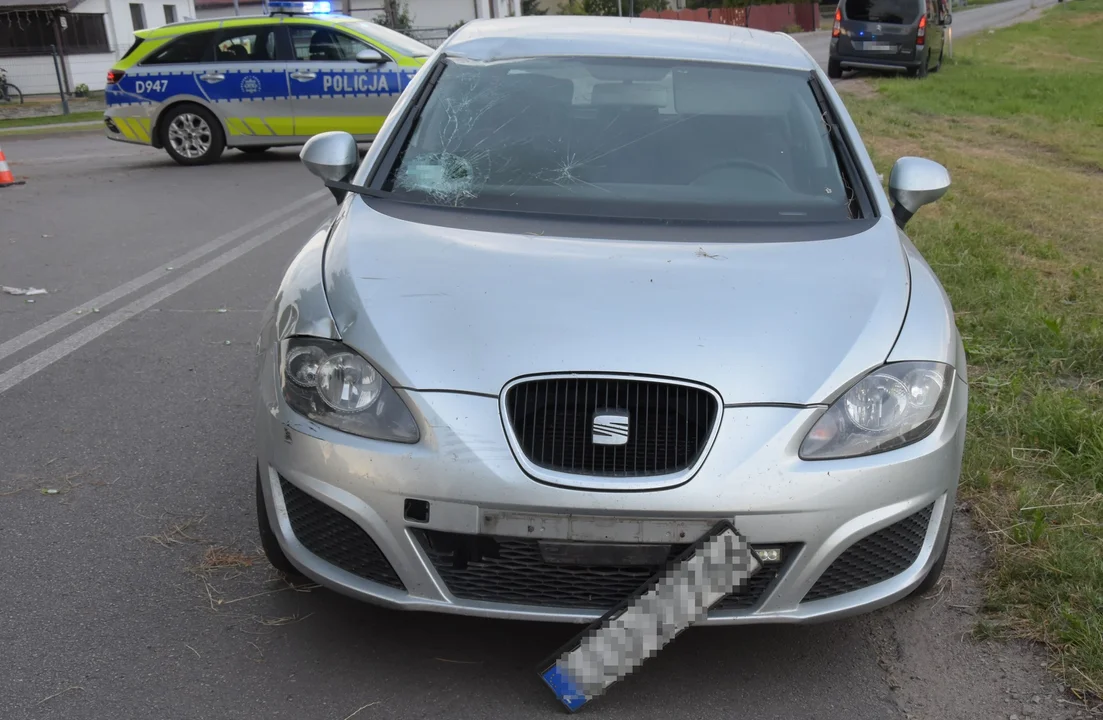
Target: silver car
[[599, 284]]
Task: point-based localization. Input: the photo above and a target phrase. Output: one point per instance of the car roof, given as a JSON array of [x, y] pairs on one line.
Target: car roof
[[186, 26], [544, 36]]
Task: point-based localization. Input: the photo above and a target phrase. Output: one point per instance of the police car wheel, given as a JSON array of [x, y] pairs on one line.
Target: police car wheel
[[255, 149], [192, 136]]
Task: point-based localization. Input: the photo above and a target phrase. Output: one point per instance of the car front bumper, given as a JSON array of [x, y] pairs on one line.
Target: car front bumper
[[868, 513]]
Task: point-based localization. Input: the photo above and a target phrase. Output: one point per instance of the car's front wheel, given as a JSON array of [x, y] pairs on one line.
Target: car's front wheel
[[191, 135], [270, 543], [834, 68]]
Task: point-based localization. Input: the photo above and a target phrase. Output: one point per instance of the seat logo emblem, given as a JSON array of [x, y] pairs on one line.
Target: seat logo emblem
[[610, 427]]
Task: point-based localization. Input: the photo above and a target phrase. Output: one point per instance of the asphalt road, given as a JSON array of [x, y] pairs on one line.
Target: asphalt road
[[132, 584]]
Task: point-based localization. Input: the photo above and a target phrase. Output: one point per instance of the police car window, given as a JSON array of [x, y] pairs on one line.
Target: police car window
[[191, 48], [322, 44], [247, 45]]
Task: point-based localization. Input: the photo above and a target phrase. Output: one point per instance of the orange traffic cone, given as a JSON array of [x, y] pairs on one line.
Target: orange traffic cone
[[6, 178]]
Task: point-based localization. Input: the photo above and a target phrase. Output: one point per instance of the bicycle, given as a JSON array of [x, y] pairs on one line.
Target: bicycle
[[8, 91]]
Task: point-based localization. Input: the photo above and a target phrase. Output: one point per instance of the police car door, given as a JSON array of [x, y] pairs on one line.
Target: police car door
[[331, 89], [247, 84]]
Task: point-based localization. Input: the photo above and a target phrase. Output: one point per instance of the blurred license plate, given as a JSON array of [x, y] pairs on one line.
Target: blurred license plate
[[879, 47], [642, 624]]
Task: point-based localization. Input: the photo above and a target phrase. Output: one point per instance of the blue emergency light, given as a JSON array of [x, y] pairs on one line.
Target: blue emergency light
[[302, 7]]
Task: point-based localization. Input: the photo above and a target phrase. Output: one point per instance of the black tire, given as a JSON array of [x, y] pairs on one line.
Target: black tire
[[11, 92], [255, 149], [834, 68], [919, 71], [936, 570], [269, 543], [206, 141]]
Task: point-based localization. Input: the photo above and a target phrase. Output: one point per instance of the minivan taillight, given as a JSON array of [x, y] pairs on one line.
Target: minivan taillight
[[838, 26], [922, 36], [114, 76]]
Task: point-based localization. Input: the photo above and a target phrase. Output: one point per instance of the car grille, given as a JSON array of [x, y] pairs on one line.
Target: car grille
[[669, 424], [875, 558], [513, 570], [335, 538]]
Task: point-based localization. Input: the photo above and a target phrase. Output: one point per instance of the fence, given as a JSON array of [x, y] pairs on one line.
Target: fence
[[433, 37], [758, 17]]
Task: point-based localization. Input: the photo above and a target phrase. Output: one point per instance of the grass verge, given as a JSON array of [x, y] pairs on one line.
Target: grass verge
[[51, 119], [1017, 117]]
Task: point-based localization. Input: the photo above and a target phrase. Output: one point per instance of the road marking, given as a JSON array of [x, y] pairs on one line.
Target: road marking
[[79, 339], [38, 332]]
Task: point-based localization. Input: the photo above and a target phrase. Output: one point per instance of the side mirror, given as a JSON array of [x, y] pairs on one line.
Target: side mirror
[[332, 156], [913, 183], [370, 56]]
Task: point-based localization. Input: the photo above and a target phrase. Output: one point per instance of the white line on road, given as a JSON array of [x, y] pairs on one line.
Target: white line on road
[[38, 332], [55, 352]]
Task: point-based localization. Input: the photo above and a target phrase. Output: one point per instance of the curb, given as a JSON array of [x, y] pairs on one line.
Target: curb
[[52, 127]]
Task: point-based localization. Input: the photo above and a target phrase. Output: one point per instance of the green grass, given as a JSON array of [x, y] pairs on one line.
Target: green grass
[[51, 119], [1017, 117]]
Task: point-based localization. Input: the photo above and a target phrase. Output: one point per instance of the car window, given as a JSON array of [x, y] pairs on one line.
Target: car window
[[247, 44], [316, 43], [191, 48], [902, 12], [392, 39], [600, 137]]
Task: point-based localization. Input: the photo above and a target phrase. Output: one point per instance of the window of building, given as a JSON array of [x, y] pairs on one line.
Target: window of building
[[170, 14], [32, 33], [138, 16]]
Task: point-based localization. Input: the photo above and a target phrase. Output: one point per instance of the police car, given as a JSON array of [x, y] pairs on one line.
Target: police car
[[196, 88]]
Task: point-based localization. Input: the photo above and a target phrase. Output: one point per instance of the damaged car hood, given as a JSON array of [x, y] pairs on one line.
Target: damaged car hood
[[445, 308]]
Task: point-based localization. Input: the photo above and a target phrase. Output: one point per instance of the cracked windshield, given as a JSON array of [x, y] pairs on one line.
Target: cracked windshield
[[623, 138]]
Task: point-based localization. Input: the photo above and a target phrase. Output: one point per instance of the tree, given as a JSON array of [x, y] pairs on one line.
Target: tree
[[609, 7], [395, 17], [532, 7]]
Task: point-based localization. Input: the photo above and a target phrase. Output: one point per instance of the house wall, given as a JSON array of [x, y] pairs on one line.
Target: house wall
[[36, 75]]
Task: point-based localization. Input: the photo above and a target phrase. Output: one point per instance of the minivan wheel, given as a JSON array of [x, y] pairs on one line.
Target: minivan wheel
[[191, 135], [919, 71], [938, 67], [269, 543], [834, 68]]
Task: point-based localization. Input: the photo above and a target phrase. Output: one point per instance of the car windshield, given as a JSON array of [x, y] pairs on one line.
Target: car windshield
[[393, 39], [902, 12], [626, 138]]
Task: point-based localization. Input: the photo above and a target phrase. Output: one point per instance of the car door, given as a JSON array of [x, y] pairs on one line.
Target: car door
[[331, 90], [246, 83]]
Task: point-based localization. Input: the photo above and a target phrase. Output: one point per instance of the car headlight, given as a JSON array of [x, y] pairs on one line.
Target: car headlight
[[895, 405], [332, 385]]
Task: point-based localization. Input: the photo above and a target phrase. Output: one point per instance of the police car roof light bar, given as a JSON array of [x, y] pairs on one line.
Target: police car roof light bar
[[299, 7]]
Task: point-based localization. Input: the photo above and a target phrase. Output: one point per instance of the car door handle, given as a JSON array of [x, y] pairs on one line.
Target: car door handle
[[212, 77], [303, 75]]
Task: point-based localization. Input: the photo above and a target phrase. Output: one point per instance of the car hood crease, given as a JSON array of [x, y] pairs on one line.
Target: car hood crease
[[442, 308]]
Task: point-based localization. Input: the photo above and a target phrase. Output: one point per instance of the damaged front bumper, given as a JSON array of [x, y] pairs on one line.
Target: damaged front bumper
[[454, 525]]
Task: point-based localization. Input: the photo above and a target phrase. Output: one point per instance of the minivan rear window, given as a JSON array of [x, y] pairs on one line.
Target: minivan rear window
[[898, 12]]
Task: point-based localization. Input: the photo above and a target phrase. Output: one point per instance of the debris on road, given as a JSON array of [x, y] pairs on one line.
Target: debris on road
[[23, 291]]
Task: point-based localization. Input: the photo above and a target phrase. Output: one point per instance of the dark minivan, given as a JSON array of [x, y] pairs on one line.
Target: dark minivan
[[893, 35]]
